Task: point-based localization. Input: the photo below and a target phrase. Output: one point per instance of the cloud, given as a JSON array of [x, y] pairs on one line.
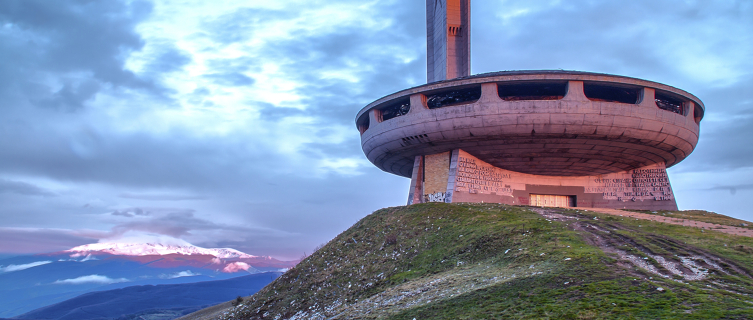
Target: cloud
[[160, 197], [94, 278], [233, 79], [241, 115], [236, 267], [88, 257], [19, 267], [130, 212], [39, 240], [59, 55], [187, 273], [733, 188], [22, 188]]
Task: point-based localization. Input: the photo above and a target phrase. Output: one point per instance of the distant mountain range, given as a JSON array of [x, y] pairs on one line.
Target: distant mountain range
[[31, 282], [143, 302]]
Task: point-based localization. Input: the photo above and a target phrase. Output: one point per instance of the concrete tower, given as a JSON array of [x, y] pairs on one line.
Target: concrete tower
[[448, 45], [535, 137]]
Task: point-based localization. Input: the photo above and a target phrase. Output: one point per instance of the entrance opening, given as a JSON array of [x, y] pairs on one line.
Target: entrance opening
[[549, 200]]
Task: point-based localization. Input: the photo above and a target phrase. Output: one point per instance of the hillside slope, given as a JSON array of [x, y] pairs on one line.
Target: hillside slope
[[456, 261]]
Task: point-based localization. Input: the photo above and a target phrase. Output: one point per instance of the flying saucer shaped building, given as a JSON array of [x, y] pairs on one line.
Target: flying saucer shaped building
[[544, 138]]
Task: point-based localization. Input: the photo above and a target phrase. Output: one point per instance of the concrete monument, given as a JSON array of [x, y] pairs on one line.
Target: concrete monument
[[543, 138]]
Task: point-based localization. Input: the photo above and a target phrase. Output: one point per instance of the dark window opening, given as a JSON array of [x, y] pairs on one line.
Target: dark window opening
[[453, 97], [396, 109], [595, 92], [666, 102], [454, 30], [363, 123], [532, 91], [697, 113]]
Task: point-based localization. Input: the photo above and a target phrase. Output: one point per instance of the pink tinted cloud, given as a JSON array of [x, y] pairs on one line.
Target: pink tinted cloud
[[235, 267]]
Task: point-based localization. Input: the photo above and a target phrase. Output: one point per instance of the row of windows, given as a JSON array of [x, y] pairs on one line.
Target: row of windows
[[555, 90]]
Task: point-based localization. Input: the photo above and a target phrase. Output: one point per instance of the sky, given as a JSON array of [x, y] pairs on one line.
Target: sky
[[231, 123]]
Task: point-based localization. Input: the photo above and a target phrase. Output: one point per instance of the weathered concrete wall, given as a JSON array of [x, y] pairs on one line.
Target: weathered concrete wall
[[644, 188], [570, 136]]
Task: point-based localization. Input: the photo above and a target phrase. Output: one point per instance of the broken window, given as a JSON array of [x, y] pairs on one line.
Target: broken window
[[532, 91], [697, 113], [363, 123], [399, 108], [669, 103], [606, 93], [453, 97]]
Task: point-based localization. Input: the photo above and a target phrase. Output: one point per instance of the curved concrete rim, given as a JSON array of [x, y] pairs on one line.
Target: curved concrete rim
[[531, 75]]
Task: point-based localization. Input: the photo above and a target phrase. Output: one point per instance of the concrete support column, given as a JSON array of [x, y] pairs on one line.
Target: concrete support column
[[418, 103], [648, 98], [375, 117], [575, 91], [416, 192], [489, 93], [452, 176]]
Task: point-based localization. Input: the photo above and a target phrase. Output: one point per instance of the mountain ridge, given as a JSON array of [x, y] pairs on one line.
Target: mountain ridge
[[31, 282]]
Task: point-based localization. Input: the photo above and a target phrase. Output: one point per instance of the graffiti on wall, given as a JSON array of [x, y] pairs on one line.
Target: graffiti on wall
[[435, 197], [480, 177], [637, 185]]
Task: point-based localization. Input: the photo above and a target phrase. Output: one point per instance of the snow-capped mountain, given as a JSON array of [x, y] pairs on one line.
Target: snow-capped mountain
[[156, 249], [28, 282]]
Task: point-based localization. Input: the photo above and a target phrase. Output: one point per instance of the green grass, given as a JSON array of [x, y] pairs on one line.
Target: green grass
[[551, 270]]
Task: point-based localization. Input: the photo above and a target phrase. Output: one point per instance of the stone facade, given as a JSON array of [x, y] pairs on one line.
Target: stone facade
[[470, 179]]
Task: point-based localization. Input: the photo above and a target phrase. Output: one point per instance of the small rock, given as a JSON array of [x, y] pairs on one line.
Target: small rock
[[567, 259], [659, 289]]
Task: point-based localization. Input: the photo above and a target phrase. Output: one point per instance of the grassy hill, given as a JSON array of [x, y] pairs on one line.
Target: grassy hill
[[470, 261]]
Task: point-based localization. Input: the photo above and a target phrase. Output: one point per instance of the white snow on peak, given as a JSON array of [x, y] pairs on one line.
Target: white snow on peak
[[149, 249]]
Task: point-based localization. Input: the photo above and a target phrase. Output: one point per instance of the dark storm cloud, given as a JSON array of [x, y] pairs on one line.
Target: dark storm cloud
[[78, 44], [175, 160], [22, 188]]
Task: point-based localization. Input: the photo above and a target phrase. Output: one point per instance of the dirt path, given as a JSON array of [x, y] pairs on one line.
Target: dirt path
[[683, 222]]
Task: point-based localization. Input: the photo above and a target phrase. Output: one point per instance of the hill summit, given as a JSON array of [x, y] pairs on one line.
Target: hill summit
[[436, 260]]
